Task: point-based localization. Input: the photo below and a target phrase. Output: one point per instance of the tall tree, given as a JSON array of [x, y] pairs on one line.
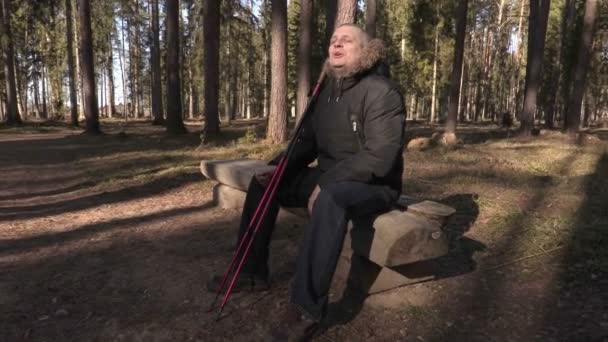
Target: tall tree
[[110, 72], [304, 55], [537, 28], [157, 91], [211, 68], [175, 124], [71, 67], [461, 26], [435, 62], [6, 42], [346, 12], [573, 108], [277, 122], [370, 17], [91, 111]]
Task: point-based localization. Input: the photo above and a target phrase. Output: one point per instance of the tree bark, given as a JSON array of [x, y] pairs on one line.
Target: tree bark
[[370, 17], [461, 18], [211, 68], [102, 99], [304, 56], [36, 95], [71, 67], [136, 48], [346, 12], [267, 73], [277, 122], [12, 117], [434, 92], [175, 124], [122, 60], [110, 71], [45, 113], [91, 112], [192, 98], [573, 108], [537, 28], [157, 90]]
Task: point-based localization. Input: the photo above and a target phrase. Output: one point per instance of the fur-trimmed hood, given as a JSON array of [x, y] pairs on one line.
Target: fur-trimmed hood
[[372, 54]]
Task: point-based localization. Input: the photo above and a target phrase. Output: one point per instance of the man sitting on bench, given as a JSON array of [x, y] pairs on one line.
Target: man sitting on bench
[[356, 134]]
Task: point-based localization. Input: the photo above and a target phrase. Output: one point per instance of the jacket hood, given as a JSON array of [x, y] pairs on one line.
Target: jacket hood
[[371, 56]]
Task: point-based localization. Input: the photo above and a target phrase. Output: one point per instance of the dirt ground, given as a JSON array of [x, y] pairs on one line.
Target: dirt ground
[[112, 238]]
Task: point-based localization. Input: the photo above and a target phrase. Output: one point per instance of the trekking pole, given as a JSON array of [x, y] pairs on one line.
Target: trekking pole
[[263, 205], [246, 234]]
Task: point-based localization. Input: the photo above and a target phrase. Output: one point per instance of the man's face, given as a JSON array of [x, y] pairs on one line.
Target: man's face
[[345, 47]]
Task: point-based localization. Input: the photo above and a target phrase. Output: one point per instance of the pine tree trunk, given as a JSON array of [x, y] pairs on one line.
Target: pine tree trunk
[[110, 71], [537, 28], [71, 67], [461, 91], [193, 98], [12, 117], [346, 11], [36, 96], [461, 22], [122, 61], [518, 39], [102, 82], [212, 60], [2, 105], [233, 88], [573, 107], [21, 99], [45, 113], [566, 75], [434, 92], [251, 64], [157, 90], [79, 90], [139, 94], [304, 56], [131, 72], [370, 17], [277, 121], [267, 74], [91, 112], [175, 123]]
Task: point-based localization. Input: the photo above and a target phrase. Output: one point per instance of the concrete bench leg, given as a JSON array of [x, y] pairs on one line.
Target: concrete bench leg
[[226, 197], [367, 277]]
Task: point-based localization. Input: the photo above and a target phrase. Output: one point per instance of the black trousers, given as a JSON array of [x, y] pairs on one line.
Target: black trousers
[[322, 244]]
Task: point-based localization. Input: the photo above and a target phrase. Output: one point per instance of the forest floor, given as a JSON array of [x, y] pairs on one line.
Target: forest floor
[[112, 238]]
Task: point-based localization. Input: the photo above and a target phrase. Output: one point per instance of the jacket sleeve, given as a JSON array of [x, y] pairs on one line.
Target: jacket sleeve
[[305, 149], [384, 123]]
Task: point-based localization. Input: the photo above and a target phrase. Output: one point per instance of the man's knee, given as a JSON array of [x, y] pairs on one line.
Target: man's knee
[[330, 195], [339, 193]]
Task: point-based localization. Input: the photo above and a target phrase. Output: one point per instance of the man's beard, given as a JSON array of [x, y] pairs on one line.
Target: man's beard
[[343, 71]]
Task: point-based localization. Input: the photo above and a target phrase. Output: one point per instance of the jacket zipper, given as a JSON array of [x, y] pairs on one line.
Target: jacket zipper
[[354, 125]]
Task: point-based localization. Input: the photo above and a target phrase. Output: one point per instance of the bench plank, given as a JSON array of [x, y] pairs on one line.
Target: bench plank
[[234, 173]]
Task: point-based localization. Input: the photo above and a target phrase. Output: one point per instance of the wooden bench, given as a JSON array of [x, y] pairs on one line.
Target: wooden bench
[[386, 251]]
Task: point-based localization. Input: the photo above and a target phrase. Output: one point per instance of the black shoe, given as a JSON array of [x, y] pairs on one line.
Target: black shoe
[[244, 282], [294, 326]]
